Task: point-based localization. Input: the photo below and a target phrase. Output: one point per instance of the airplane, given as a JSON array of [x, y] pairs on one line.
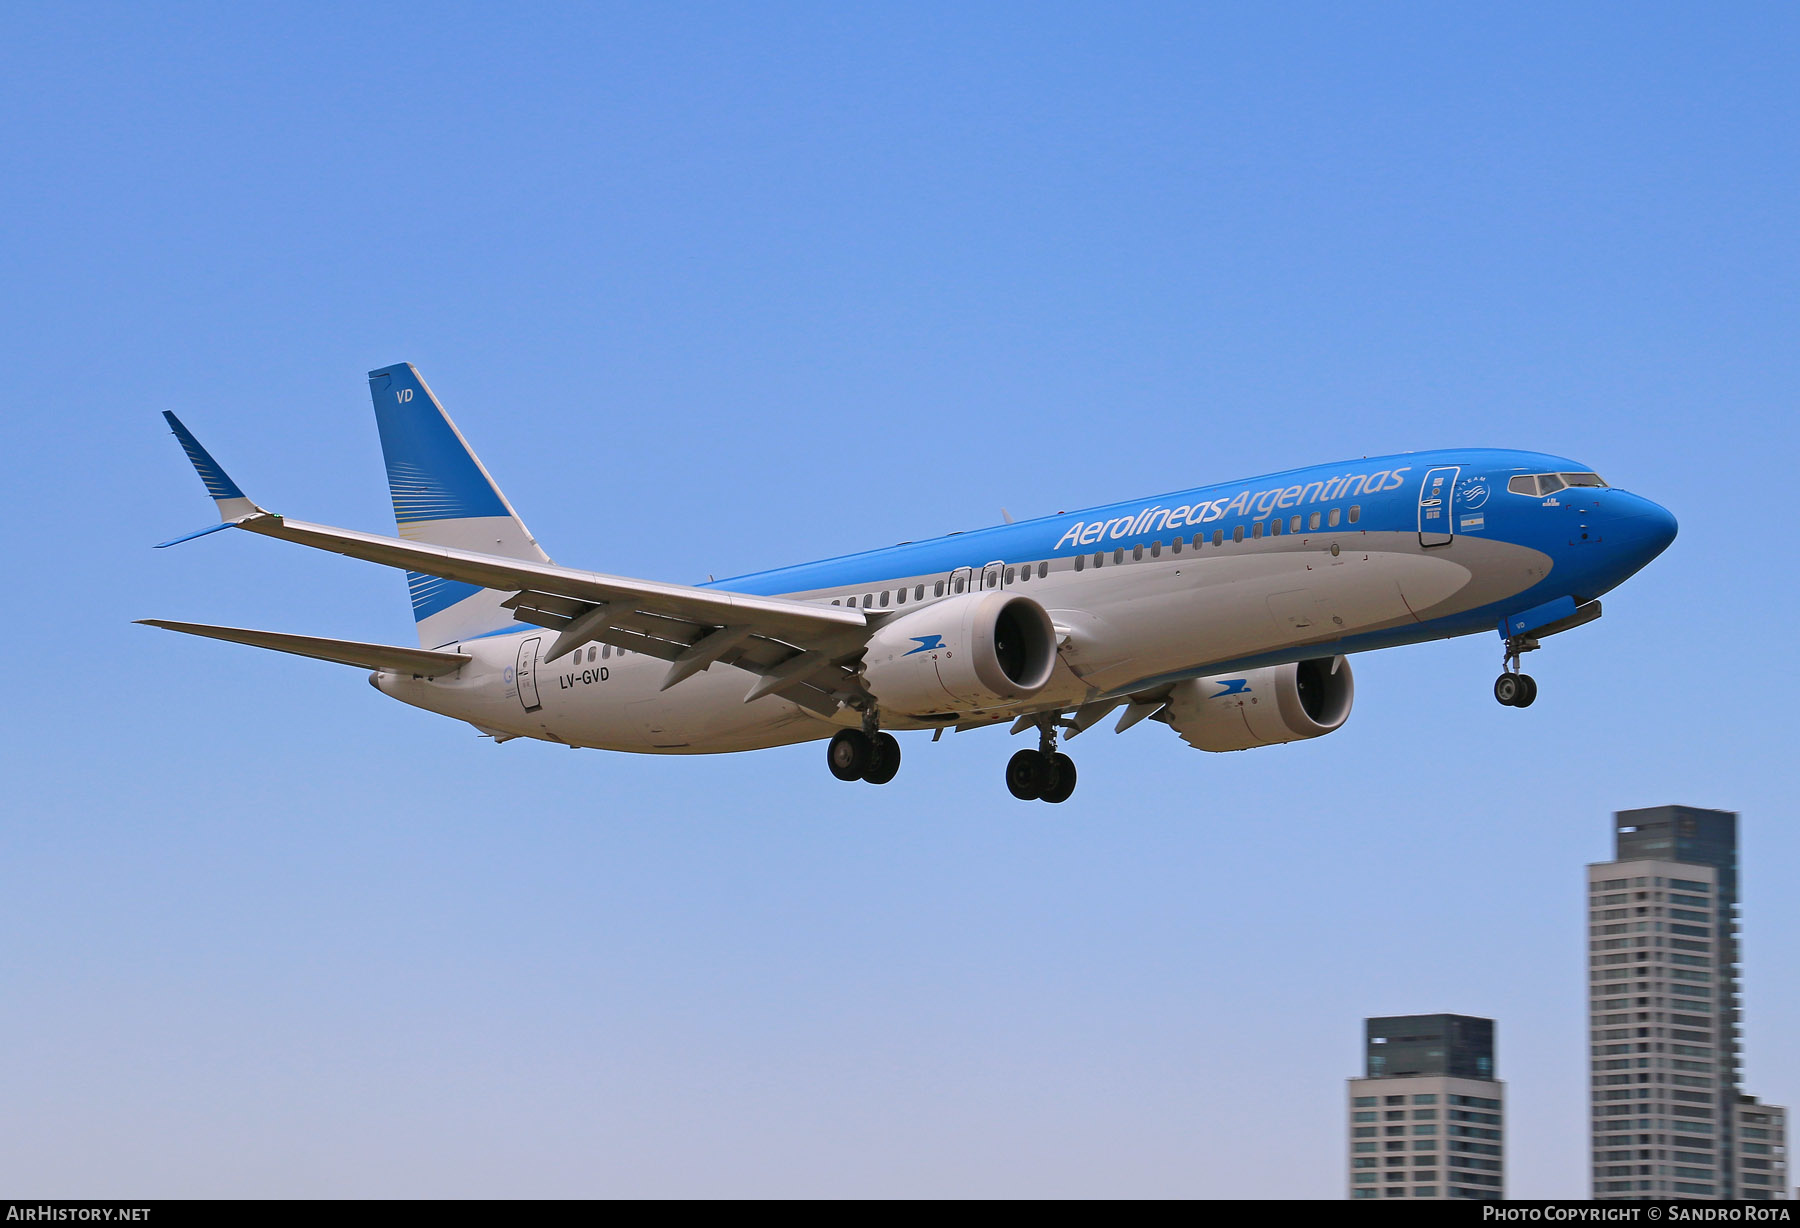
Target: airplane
[[1226, 612]]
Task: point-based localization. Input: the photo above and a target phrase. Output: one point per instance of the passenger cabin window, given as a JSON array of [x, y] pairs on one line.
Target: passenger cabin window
[[1294, 524], [900, 597], [1119, 554], [1043, 570], [919, 593], [1256, 529], [1099, 558], [1137, 552], [868, 600], [1355, 513], [1156, 550], [1175, 546], [1219, 537], [1332, 519], [884, 598], [1009, 575], [958, 586], [1080, 561], [1237, 533], [593, 653], [605, 651], [937, 590]]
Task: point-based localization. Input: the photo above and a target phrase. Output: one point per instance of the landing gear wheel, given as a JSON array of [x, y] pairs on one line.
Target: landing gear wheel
[[1026, 775], [1527, 691], [1507, 689], [849, 754], [884, 759], [1062, 778]]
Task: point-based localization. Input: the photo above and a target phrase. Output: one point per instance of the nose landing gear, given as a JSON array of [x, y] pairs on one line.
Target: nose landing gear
[[1512, 688], [1044, 774]]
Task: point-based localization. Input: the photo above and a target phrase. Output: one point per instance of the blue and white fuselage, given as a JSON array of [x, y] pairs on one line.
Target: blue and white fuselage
[[1057, 620]]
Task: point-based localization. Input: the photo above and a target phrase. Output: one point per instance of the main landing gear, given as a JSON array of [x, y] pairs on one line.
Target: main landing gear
[[864, 754], [1044, 774], [1512, 688]]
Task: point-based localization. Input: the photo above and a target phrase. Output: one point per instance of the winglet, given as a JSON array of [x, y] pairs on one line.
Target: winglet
[[232, 502]]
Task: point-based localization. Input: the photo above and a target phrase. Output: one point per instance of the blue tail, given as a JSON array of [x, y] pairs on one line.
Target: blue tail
[[443, 495]]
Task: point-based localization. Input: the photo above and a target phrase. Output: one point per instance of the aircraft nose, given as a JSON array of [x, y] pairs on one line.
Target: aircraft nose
[[1648, 527]]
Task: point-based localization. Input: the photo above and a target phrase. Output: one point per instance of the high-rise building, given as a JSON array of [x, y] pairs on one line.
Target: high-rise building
[[1663, 1009], [1425, 1118], [1761, 1149]]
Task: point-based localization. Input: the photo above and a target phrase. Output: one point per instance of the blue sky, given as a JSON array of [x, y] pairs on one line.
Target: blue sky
[[716, 288]]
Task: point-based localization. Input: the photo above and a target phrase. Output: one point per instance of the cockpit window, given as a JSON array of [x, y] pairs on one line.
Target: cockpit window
[[1549, 483]]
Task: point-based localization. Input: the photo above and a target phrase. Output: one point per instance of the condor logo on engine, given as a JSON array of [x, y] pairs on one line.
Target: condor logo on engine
[[926, 643]]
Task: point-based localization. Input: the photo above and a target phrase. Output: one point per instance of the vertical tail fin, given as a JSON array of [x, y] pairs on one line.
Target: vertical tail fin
[[443, 495]]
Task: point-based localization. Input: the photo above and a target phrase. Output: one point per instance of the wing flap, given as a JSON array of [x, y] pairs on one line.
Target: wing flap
[[421, 662]]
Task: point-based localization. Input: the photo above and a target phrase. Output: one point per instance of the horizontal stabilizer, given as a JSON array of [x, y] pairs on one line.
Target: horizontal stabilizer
[[419, 662]]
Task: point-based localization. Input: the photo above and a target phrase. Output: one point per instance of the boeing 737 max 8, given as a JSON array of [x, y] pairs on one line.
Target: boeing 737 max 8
[[1226, 612]]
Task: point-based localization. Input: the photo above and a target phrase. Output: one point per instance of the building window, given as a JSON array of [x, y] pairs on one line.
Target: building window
[[1365, 1116], [1362, 1101], [1430, 1098]]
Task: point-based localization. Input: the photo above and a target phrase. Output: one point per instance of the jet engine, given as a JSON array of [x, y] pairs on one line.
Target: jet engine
[[1283, 703], [971, 652]]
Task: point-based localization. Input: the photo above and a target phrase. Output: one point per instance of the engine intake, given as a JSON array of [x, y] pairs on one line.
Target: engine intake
[[1282, 703], [971, 652]]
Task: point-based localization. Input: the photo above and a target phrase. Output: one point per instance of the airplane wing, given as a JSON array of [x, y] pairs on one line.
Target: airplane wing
[[802, 651]]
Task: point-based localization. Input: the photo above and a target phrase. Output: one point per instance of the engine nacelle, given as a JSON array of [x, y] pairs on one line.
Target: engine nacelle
[[1283, 703], [971, 652]]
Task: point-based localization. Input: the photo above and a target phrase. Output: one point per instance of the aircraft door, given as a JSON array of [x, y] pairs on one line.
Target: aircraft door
[[1437, 493], [961, 580], [526, 674], [993, 576]]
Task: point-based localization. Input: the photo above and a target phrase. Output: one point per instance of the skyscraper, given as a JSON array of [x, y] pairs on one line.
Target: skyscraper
[[1425, 1120], [1663, 1010]]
